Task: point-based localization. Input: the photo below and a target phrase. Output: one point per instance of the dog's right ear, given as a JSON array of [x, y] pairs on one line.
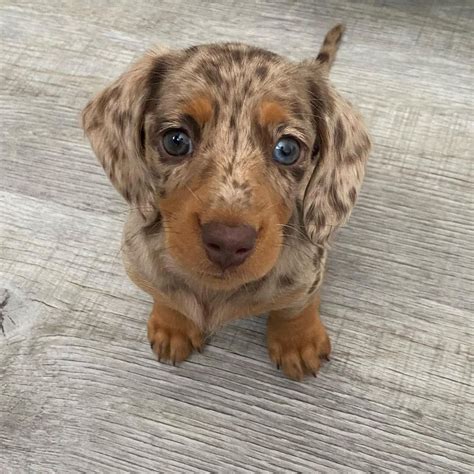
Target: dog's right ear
[[114, 123]]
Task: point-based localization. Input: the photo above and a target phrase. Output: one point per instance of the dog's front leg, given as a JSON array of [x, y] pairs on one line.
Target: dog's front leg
[[296, 344], [172, 336]]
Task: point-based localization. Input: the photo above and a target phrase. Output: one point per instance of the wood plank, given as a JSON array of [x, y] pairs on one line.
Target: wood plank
[[79, 389]]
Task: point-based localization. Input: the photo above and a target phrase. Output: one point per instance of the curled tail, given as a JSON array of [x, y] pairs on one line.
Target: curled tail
[[332, 40]]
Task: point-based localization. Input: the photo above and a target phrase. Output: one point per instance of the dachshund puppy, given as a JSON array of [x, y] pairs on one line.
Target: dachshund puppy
[[238, 165]]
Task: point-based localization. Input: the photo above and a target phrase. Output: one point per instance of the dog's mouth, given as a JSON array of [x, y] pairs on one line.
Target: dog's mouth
[[219, 277], [223, 275], [229, 279]]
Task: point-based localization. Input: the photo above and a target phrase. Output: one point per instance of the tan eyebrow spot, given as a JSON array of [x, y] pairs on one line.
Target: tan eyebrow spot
[[200, 109], [272, 113]]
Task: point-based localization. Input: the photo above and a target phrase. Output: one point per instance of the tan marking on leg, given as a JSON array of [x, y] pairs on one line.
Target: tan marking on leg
[[172, 336], [297, 344]]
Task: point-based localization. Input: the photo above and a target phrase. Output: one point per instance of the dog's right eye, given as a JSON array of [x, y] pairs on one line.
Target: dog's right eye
[[176, 142]]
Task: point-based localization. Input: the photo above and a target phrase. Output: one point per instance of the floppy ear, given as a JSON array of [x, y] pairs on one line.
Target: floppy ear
[[344, 146], [113, 121]]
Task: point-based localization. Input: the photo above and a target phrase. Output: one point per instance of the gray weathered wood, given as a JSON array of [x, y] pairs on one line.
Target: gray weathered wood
[[79, 389]]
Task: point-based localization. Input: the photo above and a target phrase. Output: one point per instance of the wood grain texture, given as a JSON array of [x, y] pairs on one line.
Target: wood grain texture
[[79, 389]]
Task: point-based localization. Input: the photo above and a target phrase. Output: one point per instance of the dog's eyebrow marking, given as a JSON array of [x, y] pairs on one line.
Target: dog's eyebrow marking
[[271, 113], [200, 109]]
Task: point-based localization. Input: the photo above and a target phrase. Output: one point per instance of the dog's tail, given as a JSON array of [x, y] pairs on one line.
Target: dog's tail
[[327, 53]]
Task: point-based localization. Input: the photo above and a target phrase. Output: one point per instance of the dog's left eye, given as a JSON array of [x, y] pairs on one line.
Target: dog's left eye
[[176, 142], [286, 151]]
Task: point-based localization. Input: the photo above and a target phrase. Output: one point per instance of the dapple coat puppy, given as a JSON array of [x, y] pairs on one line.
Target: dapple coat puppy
[[238, 166]]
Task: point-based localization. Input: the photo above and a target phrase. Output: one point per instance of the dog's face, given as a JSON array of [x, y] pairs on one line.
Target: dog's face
[[218, 129], [224, 144]]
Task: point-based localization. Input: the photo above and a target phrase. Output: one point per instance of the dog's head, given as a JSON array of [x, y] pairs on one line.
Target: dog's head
[[225, 143]]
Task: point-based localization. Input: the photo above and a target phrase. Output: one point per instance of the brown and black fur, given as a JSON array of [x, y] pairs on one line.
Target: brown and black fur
[[235, 101]]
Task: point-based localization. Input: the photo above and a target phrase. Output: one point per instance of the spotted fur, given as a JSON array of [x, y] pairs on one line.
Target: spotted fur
[[235, 101]]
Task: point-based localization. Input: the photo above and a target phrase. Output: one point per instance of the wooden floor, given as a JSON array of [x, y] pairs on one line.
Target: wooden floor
[[79, 388]]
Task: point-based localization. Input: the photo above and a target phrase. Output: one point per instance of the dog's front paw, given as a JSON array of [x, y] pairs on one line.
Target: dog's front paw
[[172, 336], [297, 345]]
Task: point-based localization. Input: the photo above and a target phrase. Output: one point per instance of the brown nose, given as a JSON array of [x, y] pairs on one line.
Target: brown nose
[[228, 246]]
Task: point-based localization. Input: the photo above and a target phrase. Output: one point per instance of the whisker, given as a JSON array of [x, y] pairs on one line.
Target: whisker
[[305, 252], [194, 194]]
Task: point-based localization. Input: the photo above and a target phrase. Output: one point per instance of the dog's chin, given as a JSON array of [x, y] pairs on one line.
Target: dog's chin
[[225, 281], [213, 278]]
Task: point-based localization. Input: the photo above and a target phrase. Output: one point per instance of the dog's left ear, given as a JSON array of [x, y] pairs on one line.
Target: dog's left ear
[[342, 149]]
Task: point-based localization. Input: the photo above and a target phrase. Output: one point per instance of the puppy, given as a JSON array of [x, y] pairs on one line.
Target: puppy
[[238, 165]]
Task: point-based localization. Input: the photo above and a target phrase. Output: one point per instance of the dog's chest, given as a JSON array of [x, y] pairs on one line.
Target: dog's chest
[[250, 300]]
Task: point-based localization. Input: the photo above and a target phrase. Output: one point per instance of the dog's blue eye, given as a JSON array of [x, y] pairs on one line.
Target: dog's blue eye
[[286, 151], [177, 143]]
